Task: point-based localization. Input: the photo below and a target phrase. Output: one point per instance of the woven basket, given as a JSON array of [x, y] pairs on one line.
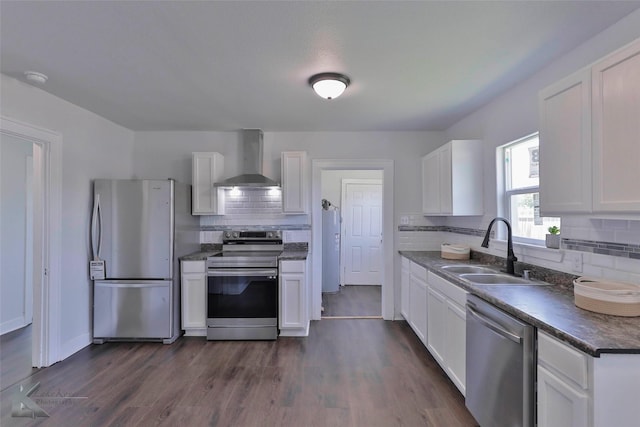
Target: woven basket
[[449, 251], [606, 297]]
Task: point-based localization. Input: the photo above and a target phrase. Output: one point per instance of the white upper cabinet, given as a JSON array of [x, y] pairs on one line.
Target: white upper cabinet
[[565, 145], [589, 134], [207, 168], [452, 179], [295, 185], [616, 131]]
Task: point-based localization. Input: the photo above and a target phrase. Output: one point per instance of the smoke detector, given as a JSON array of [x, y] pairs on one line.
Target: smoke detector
[[35, 77]]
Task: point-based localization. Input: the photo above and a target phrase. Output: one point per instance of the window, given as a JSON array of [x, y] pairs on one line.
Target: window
[[522, 205]]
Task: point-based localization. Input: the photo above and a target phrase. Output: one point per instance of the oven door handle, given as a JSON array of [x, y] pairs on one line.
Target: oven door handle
[[239, 272]]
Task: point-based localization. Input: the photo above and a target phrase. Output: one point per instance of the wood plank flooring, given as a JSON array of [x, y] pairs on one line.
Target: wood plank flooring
[[15, 357], [353, 300], [346, 373]]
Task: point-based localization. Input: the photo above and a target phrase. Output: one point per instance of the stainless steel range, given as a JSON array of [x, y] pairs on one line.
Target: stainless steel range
[[242, 286]]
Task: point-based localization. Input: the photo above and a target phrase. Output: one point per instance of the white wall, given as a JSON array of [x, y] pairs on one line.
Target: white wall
[[162, 155], [93, 147], [14, 154], [515, 114]]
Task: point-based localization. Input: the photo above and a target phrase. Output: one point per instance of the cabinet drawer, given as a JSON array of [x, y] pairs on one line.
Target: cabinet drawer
[[292, 266], [418, 271], [565, 360], [193, 266], [450, 290]]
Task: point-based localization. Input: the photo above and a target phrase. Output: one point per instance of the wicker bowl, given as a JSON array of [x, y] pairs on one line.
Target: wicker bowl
[[449, 251], [607, 297]]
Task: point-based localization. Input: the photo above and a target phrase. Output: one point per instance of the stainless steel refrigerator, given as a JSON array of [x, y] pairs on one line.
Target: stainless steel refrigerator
[[139, 228], [330, 250]]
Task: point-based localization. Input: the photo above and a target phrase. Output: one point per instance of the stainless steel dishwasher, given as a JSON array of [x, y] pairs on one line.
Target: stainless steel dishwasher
[[500, 368]]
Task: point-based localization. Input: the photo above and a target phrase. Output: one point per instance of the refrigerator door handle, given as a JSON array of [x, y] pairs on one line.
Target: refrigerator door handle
[[96, 228]]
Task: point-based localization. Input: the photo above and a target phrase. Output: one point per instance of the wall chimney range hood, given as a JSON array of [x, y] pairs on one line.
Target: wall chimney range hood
[[251, 151]]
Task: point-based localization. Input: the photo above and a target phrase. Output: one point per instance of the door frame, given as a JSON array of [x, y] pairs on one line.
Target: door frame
[[343, 205], [47, 233], [387, 275]]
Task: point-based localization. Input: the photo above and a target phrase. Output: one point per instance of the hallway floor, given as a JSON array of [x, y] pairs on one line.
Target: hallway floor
[[353, 301]]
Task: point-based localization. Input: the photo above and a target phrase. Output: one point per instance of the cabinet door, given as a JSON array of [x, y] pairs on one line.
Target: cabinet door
[[404, 291], [294, 182], [559, 404], [418, 308], [194, 300], [292, 307], [565, 145], [431, 183], [436, 318], [456, 344], [446, 189], [207, 168], [616, 131]]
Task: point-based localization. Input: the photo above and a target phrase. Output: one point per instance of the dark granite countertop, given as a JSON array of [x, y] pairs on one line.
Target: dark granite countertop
[[549, 308], [198, 256], [293, 255], [286, 255]]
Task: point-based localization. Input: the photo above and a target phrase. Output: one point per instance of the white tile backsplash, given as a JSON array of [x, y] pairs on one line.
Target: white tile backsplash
[[296, 236], [593, 265]]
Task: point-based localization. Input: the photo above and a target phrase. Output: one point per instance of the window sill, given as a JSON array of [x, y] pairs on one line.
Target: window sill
[[529, 251]]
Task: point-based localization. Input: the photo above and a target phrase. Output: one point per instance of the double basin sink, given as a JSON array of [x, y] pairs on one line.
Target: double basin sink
[[479, 275]]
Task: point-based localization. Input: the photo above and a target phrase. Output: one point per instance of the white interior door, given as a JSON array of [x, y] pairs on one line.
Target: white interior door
[[362, 232]]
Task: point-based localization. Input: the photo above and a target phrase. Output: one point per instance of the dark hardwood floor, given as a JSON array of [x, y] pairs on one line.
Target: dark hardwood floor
[[346, 373], [353, 300], [15, 357]]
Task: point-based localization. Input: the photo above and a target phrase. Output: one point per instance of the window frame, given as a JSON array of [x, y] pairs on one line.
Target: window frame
[[507, 193]]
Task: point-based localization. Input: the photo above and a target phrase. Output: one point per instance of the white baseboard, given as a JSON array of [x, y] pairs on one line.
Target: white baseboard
[[74, 345], [302, 332], [12, 324]]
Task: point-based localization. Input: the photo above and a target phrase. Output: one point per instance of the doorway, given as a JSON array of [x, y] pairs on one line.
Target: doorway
[[44, 236], [352, 243], [384, 169]]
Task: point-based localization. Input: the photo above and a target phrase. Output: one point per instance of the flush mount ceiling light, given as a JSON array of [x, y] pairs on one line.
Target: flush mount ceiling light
[[329, 85], [35, 77]]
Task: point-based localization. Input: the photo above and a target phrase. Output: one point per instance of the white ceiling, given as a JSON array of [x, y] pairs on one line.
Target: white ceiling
[[182, 65]]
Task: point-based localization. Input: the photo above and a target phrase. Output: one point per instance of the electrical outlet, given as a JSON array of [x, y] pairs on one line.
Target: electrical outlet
[[576, 262], [404, 220]]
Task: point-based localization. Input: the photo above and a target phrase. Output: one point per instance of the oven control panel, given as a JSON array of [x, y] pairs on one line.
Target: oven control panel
[[254, 236]]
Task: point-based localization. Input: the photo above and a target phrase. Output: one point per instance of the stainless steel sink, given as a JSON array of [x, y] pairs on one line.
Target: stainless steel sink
[[463, 269], [497, 279]]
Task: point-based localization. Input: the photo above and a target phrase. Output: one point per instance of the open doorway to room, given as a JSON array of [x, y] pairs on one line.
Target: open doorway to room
[[16, 257], [360, 194], [30, 217], [352, 243]]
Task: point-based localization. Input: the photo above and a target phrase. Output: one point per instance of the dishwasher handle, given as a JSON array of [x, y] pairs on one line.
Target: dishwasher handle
[[494, 326]]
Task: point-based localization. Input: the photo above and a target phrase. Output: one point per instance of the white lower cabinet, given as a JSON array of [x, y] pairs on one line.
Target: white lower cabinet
[[447, 328], [559, 402], [456, 344], [193, 289], [404, 288], [436, 321], [293, 317], [563, 384], [418, 301]]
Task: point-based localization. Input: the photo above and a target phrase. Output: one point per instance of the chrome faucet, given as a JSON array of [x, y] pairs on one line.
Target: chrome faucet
[[511, 257]]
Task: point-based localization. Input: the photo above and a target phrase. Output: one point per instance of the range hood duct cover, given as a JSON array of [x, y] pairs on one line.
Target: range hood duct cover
[[251, 150]]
